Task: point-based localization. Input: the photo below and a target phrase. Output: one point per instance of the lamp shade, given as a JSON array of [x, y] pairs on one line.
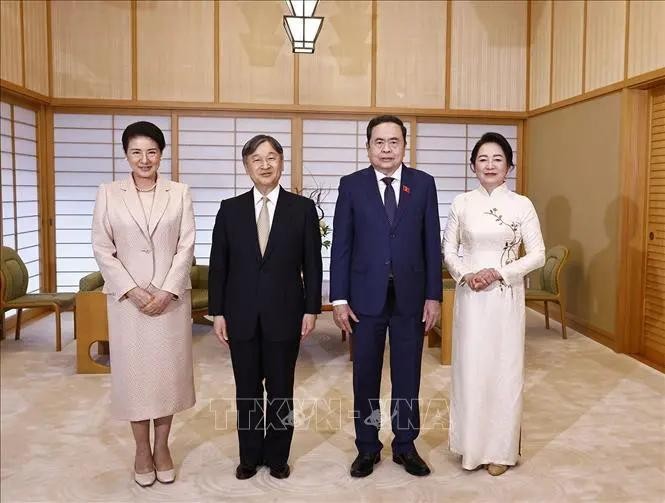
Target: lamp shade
[[302, 27], [302, 8]]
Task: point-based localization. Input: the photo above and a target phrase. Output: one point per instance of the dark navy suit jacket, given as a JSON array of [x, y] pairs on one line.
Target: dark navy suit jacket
[[366, 249]]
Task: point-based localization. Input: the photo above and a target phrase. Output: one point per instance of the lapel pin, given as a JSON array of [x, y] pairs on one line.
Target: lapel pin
[[406, 189]]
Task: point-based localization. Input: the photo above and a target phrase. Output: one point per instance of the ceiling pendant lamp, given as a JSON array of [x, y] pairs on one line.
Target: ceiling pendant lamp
[[302, 27]]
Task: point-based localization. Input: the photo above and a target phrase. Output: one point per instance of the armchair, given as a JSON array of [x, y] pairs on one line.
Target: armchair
[[13, 287], [550, 284]]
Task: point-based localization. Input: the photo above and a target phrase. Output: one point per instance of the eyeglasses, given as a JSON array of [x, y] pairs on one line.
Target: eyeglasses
[[381, 143], [137, 155]]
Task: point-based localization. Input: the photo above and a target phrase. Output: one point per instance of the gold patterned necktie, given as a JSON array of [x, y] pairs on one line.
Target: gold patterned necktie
[[263, 225]]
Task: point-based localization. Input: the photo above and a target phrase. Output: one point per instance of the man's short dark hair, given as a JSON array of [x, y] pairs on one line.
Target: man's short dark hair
[[497, 138], [143, 128], [385, 118], [251, 146]]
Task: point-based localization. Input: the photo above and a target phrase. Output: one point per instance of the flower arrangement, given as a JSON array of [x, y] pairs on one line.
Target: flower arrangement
[[325, 230], [318, 195]]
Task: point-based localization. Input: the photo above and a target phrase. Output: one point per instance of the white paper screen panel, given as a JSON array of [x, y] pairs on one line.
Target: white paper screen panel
[[7, 175], [443, 150], [210, 162], [88, 152], [20, 188]]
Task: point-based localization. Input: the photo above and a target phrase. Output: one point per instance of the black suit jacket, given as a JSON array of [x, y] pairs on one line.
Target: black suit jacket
[[277, 288]]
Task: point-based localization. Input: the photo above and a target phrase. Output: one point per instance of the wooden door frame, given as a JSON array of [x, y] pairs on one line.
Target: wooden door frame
[[633, 199]]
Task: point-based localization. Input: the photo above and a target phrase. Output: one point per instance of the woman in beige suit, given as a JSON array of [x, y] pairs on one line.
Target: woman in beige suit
[[143, 239]]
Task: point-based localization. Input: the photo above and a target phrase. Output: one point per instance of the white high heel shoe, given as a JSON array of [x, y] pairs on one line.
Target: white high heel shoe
[[166, 476], [145, 479]]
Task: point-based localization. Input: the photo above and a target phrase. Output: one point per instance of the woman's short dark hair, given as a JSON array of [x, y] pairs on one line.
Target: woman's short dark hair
[[251, 146], [143, 128], [497, 138], [385, 118]]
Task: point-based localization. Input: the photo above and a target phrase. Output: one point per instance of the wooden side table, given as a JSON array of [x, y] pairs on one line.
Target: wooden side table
[[92, 327], [442, 333]]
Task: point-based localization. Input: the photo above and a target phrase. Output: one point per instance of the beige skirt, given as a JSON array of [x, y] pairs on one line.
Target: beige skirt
[[151, 360]]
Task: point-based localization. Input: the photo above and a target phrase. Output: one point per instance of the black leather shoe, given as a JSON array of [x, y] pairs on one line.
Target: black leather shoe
[[363, 465], [245, 471], [412, 463], [280, 472]]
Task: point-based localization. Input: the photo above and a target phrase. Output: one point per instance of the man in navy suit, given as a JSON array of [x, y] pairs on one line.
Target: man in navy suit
[[386, 274]]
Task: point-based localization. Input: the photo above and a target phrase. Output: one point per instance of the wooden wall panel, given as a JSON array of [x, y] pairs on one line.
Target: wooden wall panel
[[35, 33], [540, 53], [567, 50], [488, 55], [410, 68], [256, 62], [11, 64], [175, 50], [605, 43], [633, 176], [339, 72], [646, 36], [591, 240], [653, 339], [92, 49]]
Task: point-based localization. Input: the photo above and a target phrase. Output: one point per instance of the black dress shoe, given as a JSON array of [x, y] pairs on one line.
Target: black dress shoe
[[363, 465], [280, 472], [245, 471], [412, 463]]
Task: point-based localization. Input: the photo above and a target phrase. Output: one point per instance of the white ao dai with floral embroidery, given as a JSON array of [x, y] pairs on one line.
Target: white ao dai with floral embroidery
[[486, 231]]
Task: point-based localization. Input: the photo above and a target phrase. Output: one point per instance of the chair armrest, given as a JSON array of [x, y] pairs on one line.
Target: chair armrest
[[199, 277], [91, 282]]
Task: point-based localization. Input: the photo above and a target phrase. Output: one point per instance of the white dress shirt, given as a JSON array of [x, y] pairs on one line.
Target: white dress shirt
[[272, 196], [397, 180]]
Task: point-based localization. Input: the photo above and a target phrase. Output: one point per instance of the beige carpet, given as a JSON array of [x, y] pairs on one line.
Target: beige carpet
[[593, 429]]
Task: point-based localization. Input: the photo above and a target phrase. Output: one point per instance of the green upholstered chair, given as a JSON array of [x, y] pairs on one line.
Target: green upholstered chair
[[198, 274], [199, 277], [550, 284], [93, 282], [14, 276]]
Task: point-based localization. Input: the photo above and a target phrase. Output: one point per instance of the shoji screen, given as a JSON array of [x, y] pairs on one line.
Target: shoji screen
[[7, 174], [443, 150], [88, 152], [332, 149], [210, 162], [20, 206]]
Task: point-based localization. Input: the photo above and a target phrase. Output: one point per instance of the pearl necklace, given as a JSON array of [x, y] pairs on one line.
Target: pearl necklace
[[149, 189]]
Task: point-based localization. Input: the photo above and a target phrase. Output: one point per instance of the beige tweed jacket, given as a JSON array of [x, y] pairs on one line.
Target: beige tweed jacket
[[132, 252]]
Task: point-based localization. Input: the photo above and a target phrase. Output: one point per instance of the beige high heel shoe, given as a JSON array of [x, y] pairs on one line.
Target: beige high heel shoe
[[166, 476], [145, 479], [496, 470]]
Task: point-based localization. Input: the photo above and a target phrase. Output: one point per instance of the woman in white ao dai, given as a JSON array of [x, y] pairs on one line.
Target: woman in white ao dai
[[481, 247]]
